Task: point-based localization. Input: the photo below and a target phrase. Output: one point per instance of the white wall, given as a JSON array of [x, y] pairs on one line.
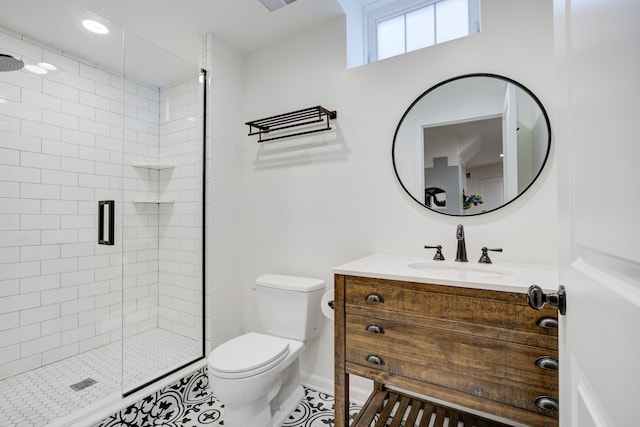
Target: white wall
[[225, 192], [315, 202]]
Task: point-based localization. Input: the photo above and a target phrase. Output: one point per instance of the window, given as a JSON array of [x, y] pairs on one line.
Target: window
[[400, 26]]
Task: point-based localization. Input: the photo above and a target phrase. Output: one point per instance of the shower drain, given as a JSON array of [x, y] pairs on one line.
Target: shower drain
[[83, 384]]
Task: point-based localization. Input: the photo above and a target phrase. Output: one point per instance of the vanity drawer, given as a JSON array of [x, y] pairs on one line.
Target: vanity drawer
[[444, 305], [498, 371]]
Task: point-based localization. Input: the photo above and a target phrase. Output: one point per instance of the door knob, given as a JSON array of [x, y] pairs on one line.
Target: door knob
[[537, 298]]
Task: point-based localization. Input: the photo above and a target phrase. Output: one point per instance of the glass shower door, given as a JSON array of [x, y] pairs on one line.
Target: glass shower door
[[61, 151], [101, 224]]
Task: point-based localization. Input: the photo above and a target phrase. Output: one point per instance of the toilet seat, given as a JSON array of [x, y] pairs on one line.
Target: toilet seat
[[248, 355]]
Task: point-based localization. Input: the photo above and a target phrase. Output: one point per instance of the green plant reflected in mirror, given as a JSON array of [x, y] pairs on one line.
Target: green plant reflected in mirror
[[471, 144]]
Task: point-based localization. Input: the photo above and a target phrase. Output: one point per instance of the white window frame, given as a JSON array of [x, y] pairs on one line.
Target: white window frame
[[386, 9]]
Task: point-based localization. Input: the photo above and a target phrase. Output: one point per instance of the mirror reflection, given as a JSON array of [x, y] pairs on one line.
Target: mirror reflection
[[471, 144]]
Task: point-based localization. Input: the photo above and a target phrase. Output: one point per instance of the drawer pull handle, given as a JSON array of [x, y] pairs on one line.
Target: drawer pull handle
[[374, 298], [374, 329], [548, 403], [376, 360], [547, 322], [546, 362]]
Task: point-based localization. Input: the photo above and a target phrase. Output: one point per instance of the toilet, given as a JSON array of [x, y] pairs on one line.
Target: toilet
[[257, 375]]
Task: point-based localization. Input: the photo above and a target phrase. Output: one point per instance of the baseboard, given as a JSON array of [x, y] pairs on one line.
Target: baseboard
[[357, 394]]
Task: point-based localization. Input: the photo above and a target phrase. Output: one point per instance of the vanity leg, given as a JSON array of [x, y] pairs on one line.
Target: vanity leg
[[342, 401], [341, 378]]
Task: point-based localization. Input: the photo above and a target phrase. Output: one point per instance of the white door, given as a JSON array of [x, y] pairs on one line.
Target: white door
[[510, 143], [491, 189], [597, 135]]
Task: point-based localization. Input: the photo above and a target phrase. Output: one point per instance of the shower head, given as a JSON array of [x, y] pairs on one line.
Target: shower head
[[10, 63]]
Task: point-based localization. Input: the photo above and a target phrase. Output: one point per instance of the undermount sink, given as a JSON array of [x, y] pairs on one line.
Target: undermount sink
[[460, 268]]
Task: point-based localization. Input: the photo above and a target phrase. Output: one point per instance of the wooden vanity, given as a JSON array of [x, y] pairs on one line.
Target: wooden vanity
[[482, 349]]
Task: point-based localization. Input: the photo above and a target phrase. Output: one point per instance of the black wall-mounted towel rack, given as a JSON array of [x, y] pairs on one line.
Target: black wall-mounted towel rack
[[307, 116]]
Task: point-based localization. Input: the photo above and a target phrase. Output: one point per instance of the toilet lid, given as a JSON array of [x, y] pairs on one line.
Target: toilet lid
[[248, 355]]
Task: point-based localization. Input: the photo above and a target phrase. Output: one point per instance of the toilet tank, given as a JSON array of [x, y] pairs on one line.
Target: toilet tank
[[289, 306]]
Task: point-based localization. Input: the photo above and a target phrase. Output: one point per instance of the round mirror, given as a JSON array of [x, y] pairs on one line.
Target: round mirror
[[471, 144]]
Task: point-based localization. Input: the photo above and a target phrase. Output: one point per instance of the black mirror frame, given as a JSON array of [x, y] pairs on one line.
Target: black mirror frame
[[463, 76]]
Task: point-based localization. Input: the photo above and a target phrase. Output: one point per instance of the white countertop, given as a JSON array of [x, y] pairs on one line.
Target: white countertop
[[510, 277]]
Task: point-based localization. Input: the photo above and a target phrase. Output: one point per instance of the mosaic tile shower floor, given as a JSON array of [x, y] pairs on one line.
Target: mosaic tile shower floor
[[189, 403], [40, 396]]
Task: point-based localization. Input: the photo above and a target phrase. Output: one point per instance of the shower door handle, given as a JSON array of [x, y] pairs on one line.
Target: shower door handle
[[106, 232]]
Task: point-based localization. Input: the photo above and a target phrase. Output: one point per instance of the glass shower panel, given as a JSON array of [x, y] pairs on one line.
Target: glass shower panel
[[61, 153], [163, 188], [90, 310]]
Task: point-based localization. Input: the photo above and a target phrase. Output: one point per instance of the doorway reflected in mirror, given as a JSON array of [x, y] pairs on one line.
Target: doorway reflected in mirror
[[479, 134]]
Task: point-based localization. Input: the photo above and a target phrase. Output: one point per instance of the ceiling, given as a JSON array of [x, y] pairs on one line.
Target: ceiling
[[488, 132], [179, 25], [166, 33]]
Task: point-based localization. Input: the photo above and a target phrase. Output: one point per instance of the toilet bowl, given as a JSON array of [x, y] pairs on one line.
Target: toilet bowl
[[256, 375]]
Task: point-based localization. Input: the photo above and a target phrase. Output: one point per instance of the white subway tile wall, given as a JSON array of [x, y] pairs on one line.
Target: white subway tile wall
[[67, 140], [180, 223]]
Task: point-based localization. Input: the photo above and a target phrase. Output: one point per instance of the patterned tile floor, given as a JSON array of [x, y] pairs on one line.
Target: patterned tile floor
[[39, 396], [189, 403]]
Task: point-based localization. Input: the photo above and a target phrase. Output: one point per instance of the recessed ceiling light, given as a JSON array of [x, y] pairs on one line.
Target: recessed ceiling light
[[35, 69], [95, 26], [47, 66], [501, 155]]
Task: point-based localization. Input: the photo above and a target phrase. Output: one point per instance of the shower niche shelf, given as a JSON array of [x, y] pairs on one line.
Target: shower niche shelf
[[153, 165], [158, 202], [305, 117]]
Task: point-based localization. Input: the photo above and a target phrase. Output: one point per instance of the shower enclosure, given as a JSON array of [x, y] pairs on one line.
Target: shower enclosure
[[101, 212]]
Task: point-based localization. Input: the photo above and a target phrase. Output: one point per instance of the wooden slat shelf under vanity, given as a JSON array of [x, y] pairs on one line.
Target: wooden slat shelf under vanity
[[484, 350], [394, 409]]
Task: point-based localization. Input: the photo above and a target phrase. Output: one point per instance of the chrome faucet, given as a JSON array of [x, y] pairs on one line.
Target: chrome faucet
[[461, 253]]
